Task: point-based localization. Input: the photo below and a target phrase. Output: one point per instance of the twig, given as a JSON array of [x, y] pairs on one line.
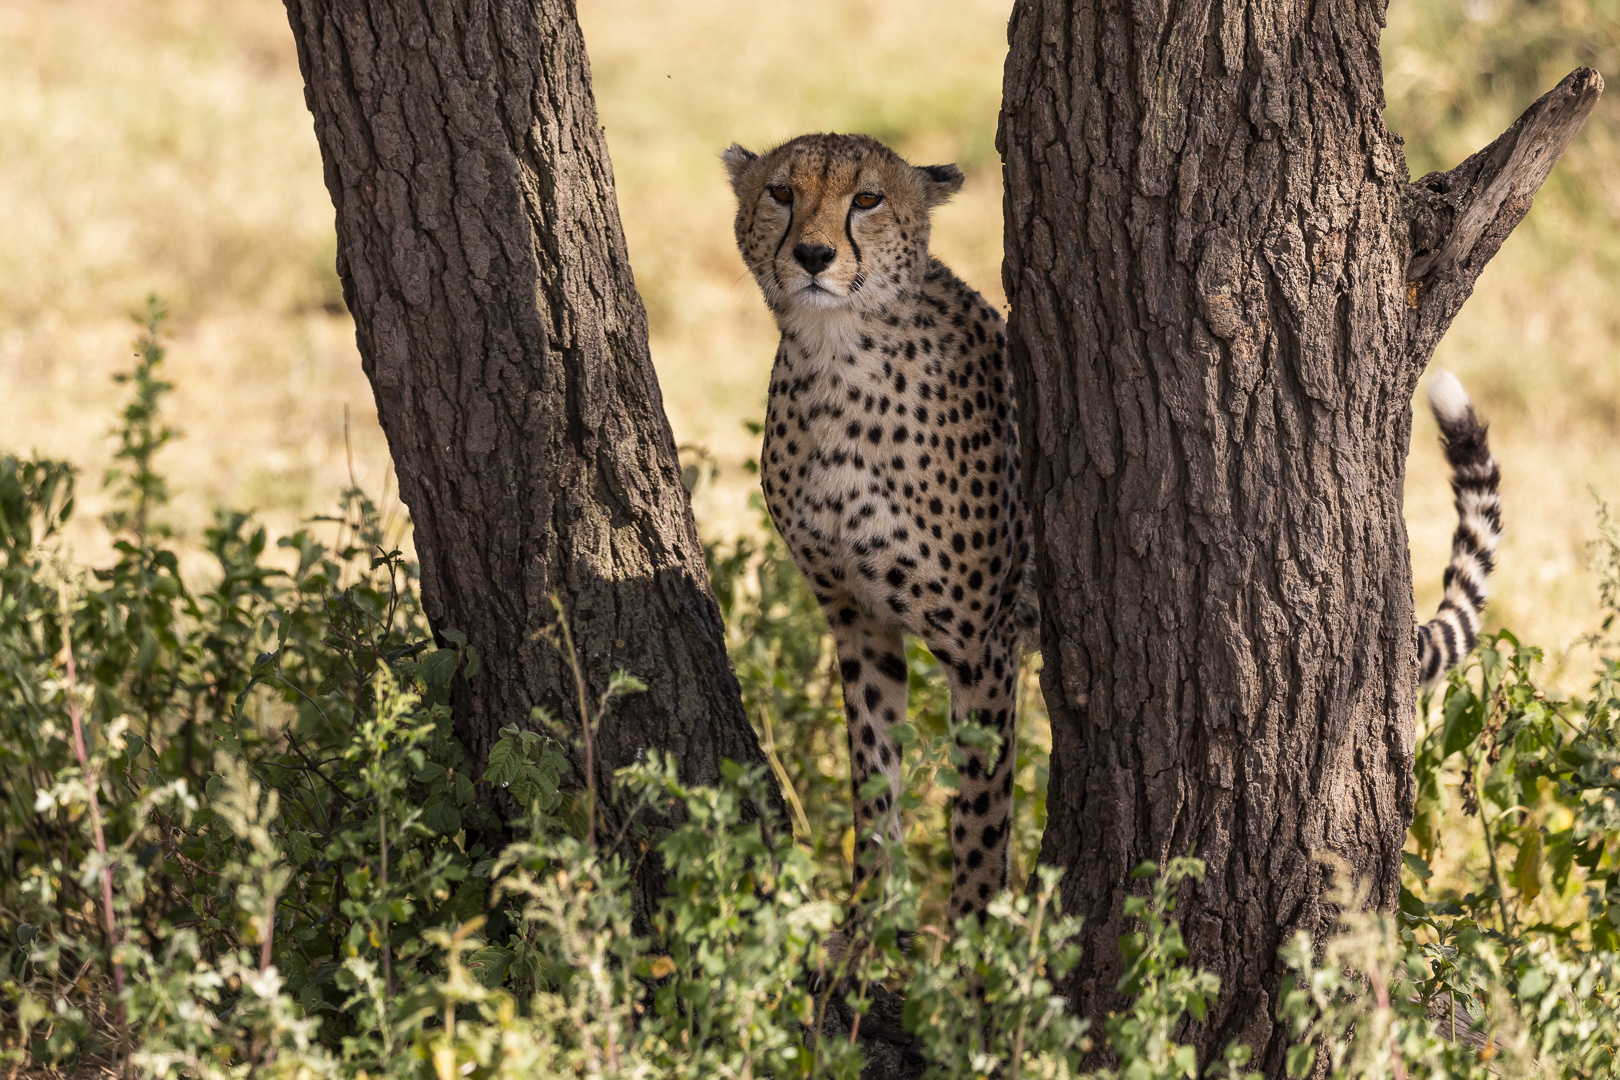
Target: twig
[[388, 969], [572, 659], [1029, 979], [1458, 219], [800, 819], [1381, 997], [269, 936], [1490, 850], [76, 715], [292, 740]]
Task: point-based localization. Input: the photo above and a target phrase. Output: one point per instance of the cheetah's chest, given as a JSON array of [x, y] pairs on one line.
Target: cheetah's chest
[[838, 448]]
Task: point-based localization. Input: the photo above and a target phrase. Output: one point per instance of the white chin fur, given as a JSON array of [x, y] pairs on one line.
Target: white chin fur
[[820, 299], [825, 329], [1447, 397]]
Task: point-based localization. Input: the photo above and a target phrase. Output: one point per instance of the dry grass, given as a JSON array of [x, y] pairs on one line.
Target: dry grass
[[163, 145]]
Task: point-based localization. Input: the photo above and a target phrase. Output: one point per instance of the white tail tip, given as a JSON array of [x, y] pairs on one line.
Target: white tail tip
[[1447, 397]]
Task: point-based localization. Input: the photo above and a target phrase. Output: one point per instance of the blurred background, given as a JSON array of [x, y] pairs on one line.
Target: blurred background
[[163, 146]]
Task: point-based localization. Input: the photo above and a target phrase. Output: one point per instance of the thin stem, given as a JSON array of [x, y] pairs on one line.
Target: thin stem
[[91, 781], [269, 936], [1028, 985], [310, 766], [382, 829], [800, 820], [1381, 997], [584, 720], [1490, 849]]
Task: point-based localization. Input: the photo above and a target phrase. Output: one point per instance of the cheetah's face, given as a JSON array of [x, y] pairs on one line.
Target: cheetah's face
[[834, 222]]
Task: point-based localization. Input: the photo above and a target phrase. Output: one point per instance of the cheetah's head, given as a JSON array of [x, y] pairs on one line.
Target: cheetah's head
[[834, 223]]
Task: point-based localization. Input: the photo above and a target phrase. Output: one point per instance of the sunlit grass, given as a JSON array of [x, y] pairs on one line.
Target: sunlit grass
[[165, 147]]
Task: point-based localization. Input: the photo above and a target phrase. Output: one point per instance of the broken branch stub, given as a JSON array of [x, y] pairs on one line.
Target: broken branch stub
[[1459, 218]]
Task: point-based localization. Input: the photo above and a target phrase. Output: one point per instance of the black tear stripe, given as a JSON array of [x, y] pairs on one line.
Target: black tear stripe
[[849, 231], [787, 232]]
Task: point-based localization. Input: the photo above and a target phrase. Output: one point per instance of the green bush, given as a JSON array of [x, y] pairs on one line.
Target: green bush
[[240, 837]]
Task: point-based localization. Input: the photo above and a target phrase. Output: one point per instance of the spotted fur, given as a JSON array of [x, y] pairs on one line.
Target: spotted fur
[[1446, 639], [890, 465]]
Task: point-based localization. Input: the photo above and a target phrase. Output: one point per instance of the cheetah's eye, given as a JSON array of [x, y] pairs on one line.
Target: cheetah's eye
[[867, 199], [781, 193]]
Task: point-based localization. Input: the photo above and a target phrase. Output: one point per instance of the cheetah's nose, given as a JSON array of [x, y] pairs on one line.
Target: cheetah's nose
[[813, 257]]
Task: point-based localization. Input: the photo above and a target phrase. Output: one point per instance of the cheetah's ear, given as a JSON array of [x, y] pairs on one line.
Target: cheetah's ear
[[737, 162], [940, 182]]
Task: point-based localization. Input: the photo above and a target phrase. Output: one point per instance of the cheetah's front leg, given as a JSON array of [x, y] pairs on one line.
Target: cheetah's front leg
[[986, 692], [871, 662]]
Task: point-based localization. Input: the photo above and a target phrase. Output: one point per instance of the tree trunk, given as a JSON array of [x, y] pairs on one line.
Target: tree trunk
[[482, 257], [1217, 326]]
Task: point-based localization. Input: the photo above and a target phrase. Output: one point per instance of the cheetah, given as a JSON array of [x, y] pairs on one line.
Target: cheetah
[[890, 465], [891, 468]]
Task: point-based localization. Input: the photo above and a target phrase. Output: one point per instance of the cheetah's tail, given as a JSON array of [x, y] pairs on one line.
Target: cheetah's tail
[[1448, 637]]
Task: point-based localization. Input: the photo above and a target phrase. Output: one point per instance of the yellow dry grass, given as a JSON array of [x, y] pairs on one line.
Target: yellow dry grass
[[163, 145]]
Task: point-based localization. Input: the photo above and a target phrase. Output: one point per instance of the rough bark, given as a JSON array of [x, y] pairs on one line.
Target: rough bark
[[1207, 250], [482, 257]]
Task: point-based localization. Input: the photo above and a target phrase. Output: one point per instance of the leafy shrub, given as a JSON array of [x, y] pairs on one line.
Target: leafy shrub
[[241, 837], [245, 838]]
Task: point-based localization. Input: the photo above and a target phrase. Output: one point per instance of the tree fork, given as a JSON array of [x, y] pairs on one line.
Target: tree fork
[[497, 318], [1210, 236]]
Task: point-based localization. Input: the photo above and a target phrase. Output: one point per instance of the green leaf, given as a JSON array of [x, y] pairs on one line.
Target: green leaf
[[488, 965], [622, 682], [1300, 1059], [1561, 857], [441, 815], [453, 635], [875, 785], [1411, 903], [300, 849], [1527, 867], [1465, 719], [473, 663], [1532, 984], [506, 761], [436, 667]]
